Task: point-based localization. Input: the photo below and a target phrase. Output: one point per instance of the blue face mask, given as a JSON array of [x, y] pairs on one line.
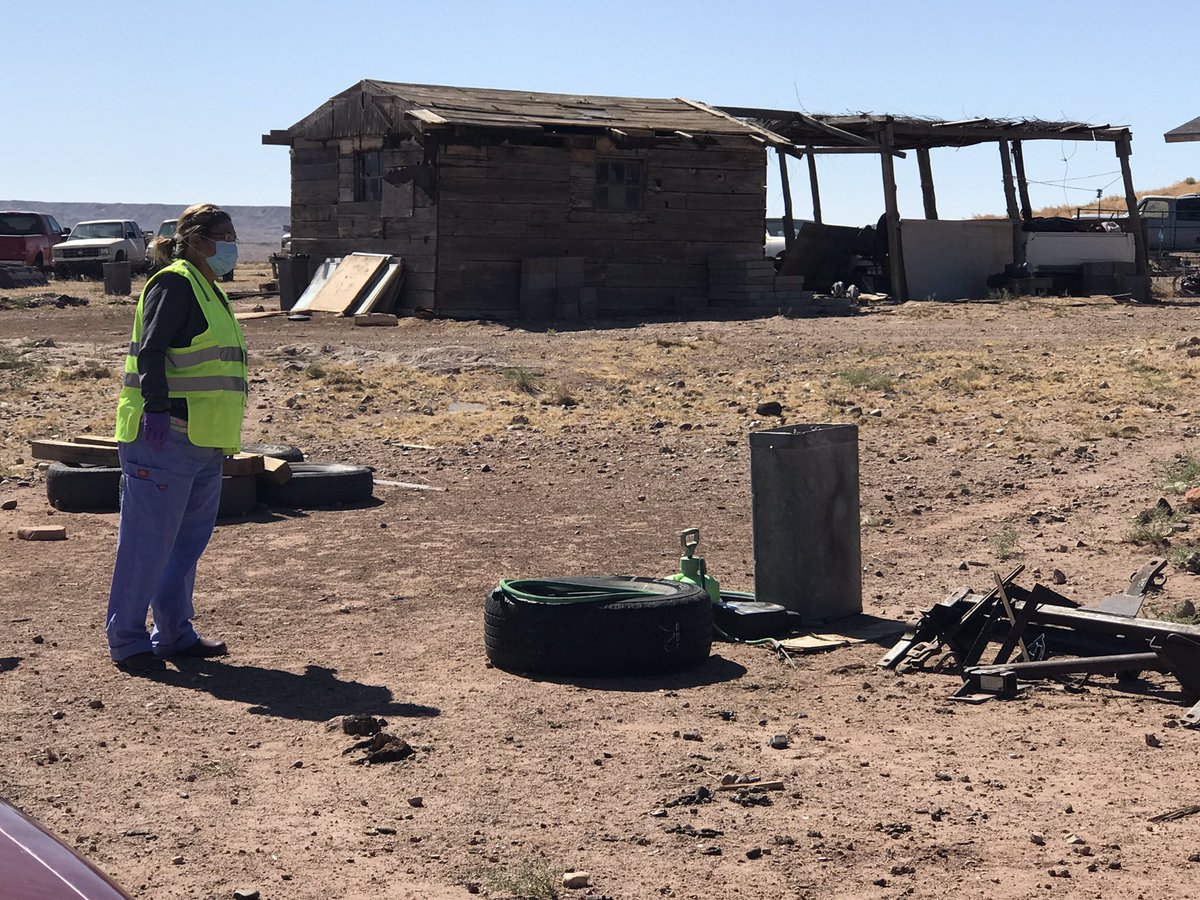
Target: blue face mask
[[225, 258]]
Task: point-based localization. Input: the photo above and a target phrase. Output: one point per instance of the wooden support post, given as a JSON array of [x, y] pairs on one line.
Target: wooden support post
[[1018, 155], [1010, 200], [814, 187], [899, 289], [1135, 220], [789, 229], [927, 193]]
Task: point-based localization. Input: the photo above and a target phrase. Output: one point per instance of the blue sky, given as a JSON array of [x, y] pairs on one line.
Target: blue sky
[[147, 102]]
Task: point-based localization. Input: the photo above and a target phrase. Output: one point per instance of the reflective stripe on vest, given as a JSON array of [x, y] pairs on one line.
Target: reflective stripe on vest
[[180, 383], [181, 358]]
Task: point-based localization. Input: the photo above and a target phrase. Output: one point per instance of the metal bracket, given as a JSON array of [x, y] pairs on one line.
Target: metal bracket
[[978, 687]]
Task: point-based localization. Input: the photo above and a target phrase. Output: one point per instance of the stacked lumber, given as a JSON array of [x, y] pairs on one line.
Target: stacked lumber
[[356, 284], [748, 281]]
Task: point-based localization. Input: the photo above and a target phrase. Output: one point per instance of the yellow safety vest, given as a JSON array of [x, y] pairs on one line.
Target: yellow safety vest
[[210, 373]]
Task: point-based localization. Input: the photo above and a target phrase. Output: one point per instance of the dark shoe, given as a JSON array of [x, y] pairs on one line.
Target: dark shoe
[[140, 663], [203, 649]]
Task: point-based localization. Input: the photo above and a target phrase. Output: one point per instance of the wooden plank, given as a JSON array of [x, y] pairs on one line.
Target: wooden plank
[[892, 212], [346, 284], [275, 471], [95, 440], [260, 314], [42, 533], [385, 287], [374, 318], [1135, 220], [1018, 154], [68, 452], [927, 192], [1010, 201], [814, 189], [242, 464]]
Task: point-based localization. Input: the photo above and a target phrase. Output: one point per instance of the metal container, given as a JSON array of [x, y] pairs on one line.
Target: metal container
[[807, 552], [118, 278]]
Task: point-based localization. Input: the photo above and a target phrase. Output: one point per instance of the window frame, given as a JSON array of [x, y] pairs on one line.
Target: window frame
[[635, 189], [368, 186]]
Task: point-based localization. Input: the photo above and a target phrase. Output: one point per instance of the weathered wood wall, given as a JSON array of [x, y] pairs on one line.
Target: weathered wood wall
[[495, 204], [501, 203], [327, 221]]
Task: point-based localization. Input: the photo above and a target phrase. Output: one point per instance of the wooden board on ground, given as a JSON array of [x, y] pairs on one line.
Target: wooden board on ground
[[242, 464], [69, 452], [276, 471], [260, 314], [94, 440], [375, 319], [42, 533], [347, 283], [841, 633]]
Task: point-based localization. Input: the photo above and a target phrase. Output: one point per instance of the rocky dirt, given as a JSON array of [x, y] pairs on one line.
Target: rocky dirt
[[1030, 431]]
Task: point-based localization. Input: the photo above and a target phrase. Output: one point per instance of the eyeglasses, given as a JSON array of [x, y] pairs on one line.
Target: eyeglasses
[[225, 236]]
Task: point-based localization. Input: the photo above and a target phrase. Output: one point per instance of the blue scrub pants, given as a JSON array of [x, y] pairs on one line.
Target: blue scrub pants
[[168, 508]]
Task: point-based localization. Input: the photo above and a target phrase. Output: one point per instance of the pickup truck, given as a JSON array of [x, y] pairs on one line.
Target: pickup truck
[[91, 244], [26, 238], [1172, 223]]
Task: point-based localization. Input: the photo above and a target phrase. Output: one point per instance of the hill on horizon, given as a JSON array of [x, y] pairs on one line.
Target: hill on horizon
[[259, 227]]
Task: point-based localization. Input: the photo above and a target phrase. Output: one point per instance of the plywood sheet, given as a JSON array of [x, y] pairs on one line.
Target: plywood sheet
[[348, 282]]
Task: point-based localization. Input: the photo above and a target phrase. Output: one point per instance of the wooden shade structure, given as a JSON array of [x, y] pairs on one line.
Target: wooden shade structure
[[890, 136]]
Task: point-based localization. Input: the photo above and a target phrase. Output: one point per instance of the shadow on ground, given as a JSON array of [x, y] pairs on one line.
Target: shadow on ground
[[714, 670], [316, 695]]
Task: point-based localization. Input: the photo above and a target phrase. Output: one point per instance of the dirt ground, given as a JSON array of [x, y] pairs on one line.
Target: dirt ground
[[1030, 431]]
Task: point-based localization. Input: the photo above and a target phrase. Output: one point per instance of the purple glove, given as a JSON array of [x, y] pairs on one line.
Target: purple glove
[[156, 426]]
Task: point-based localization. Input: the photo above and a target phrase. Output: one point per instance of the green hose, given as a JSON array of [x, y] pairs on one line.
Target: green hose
[[533, 590]]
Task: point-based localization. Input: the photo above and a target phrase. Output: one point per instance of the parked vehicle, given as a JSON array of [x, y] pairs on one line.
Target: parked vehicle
[[38, 866], [26, 238], [1172, 223], [91, 244]]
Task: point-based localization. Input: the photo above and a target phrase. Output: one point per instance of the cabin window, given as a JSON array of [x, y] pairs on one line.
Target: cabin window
[[619, 184], [368, 175]]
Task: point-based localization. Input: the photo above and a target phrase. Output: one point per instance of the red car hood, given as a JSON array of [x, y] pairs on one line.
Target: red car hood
[[35, 865]]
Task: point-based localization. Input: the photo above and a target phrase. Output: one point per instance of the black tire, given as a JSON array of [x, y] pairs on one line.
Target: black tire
[[669, 631], [76, 488], [276, 451], [239, 495], [316, 485]]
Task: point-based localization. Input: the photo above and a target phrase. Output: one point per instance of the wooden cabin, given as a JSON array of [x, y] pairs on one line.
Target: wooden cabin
[[507, 204]]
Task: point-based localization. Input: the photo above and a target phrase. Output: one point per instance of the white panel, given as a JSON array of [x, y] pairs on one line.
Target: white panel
[[948, 259]]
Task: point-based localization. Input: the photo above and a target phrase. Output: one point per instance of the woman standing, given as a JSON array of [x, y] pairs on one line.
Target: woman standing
[[178, 415]]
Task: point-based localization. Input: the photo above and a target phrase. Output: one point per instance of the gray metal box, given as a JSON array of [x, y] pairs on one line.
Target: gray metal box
[[807, 553]]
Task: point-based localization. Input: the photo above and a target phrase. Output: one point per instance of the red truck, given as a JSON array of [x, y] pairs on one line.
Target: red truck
[[26, 238]]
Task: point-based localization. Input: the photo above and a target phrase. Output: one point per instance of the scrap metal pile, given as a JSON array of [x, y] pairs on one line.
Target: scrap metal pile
[[1043, 634]]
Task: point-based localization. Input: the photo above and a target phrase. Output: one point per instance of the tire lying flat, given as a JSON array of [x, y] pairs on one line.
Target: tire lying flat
[[78, 488], [670, 630], [317, 485]]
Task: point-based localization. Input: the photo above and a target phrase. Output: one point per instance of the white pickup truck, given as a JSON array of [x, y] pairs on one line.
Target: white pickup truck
[[94, 243]]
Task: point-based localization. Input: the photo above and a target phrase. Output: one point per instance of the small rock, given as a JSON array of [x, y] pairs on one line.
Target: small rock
[[245, 894], [903, 869], [1075, 840], [1152, 740], [38, 639], [769, 408], [417, 802], [692, 736], [95, 704], [876, 413], [298, 764], [754, 853], [1191, 498], [1185, 609], [575, 880], [778, 742], [177, 860], [8, 504], [1060, 872], [658, 813], [962, 566], [1058, 576], [58, 714], [1039, 839], [1164, 508]]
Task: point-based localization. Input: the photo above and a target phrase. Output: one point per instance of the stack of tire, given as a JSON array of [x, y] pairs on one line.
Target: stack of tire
[[73, 487]]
